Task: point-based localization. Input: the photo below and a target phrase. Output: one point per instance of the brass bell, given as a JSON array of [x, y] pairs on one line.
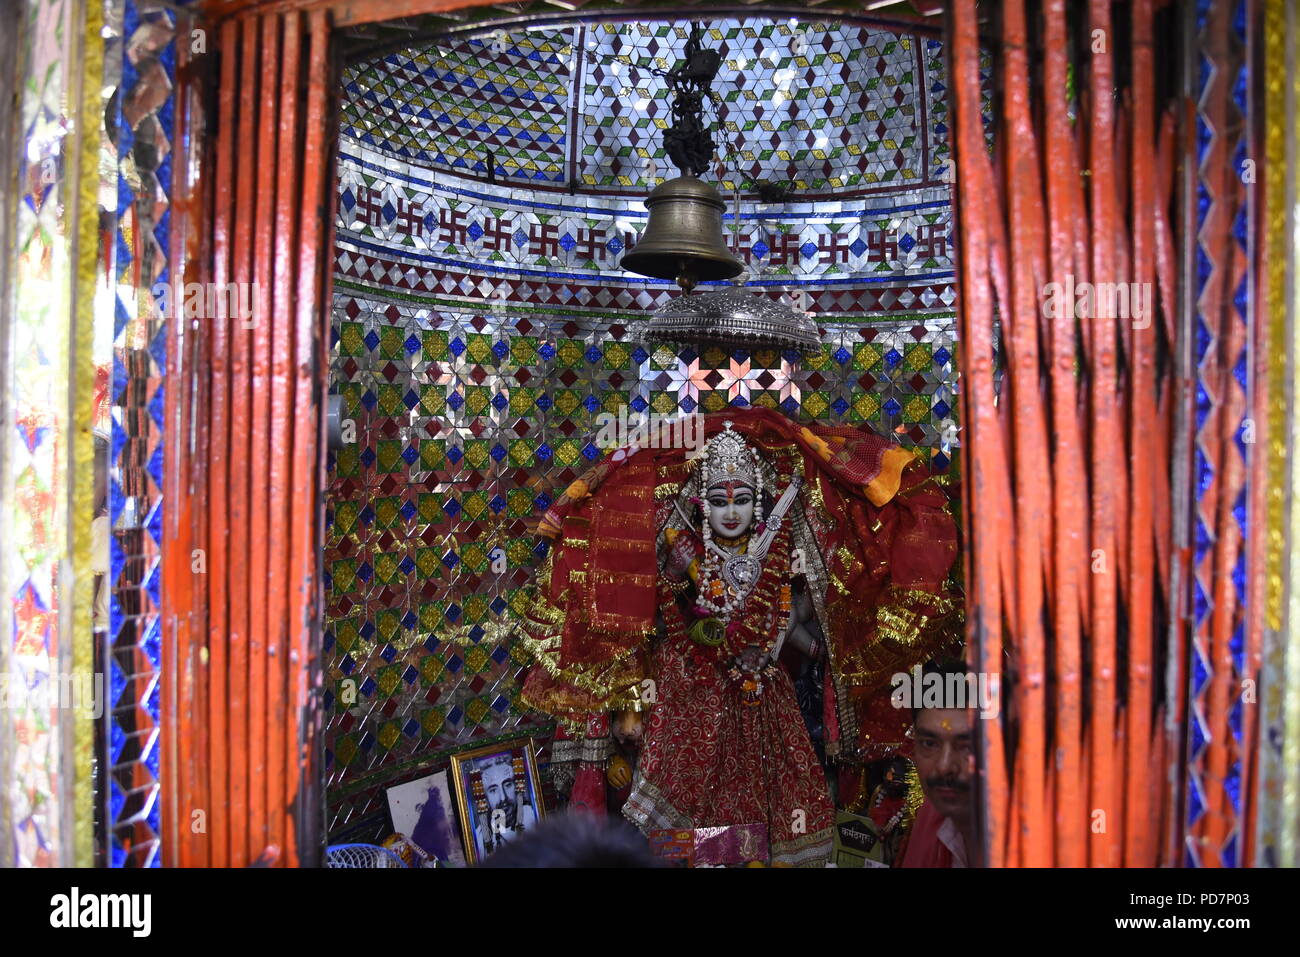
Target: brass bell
[[683, 239]]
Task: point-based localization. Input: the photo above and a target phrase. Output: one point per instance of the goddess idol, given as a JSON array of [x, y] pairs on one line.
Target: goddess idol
[[681, 592]]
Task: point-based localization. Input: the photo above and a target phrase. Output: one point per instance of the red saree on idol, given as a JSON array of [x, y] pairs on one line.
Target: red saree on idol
[[639, 607]]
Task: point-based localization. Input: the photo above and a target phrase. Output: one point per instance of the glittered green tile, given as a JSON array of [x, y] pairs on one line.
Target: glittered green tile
[[523, 351], [388, 511], [519, 654], [391, 339], [431, 615], [474, 556], [865, 357], [519, 551], [352, 393], [617, 355], [865, 408], [820, 360], [519, 503], [663, 358], [436, 345], [522, 453], [917, 409], [390, 732], [432, 721], [345, 518], [343, 574], [345, 748], [432, 668], [352, 339], [477, 399], [476, 709], [428, 562], [433, 400], [347, 634], [476, 660], [387, 568], [388, 679], [428, 509], [919, 357], [713, 357], [347, 462], [816, 404], [478, 348], [388, 625], [570, 353], [665, 403], [476, 608], [568, 452], [433, 455], [474, 505], [713, 401], [611, 400], [567, 401], [477, 454], [522, 401], [388, 456]]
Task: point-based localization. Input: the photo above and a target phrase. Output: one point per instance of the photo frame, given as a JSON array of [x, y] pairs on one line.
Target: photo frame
[[498, 795], [424, 812]]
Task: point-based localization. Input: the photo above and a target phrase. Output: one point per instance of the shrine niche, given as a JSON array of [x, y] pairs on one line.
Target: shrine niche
[[484, 329]]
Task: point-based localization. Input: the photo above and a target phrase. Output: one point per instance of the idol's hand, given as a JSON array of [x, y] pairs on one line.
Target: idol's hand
[[618, 773]]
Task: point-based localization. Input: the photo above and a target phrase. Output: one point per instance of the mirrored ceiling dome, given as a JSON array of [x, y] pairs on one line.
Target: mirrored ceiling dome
[[817, 109]]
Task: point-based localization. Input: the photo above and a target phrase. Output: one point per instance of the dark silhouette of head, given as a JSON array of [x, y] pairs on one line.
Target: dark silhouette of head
[[576, 840]]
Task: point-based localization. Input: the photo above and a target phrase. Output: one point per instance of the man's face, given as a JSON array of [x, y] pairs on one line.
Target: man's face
[[944, 740], [731, 509], [499, 785]]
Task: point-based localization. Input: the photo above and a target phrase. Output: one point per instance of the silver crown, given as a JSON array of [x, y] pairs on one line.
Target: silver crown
[[728, 459]]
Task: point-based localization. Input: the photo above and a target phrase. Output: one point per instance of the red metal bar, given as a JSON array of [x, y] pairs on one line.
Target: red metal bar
[[184, 748], [310, 346], [259, 505], [1025, 198], [242, 462], [1069, 487], [1139, 847], [986, 467], [282, 361], [218, 812], [1103, 848]]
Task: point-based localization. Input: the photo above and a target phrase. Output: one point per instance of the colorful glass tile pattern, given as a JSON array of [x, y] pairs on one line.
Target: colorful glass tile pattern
[[1224, 261], [47, 662], [140, 48], [833, 109]]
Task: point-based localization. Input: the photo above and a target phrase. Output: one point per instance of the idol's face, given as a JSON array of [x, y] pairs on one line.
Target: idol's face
[[731, 509], [945, 758]]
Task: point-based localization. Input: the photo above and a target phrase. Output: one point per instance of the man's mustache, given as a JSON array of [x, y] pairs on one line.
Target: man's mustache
[[951, 782]]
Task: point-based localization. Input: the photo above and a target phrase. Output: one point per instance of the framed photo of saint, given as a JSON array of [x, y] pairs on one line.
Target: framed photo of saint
[[498, 794]]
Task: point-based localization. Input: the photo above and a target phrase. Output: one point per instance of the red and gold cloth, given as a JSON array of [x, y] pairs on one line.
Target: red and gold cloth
[[876, 546], [884, 534]]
